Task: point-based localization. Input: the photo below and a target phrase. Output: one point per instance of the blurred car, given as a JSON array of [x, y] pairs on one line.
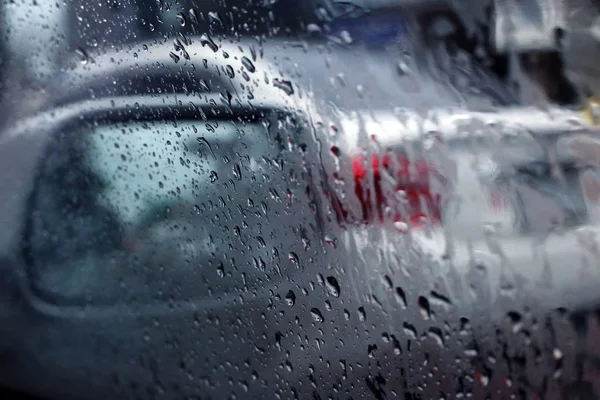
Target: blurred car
[[171, 227], [502, 185]]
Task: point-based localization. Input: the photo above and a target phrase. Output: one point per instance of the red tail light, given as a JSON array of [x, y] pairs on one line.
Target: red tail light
[[414, 180]]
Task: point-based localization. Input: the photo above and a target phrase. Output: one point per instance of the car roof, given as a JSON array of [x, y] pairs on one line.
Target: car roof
[[193, 66], [456, 125], [333, 73]]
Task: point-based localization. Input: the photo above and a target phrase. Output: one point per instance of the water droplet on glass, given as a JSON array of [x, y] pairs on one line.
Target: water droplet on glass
[[193, 15], [371, 350], [410, 330], [237, 172], [440, 300], [483, 378], [82, 55], [181, 19], [284, 85], [403, 68], [346, 37], [230, 72], [313, 29], [213, 16], [333, 287], [248, 64], [401, 297], [471, 352], [293, 257], [290, 298], [387, 281], [362, 315], [213, 176], [516, 321], [331, 241], [288, 366], [316, 315], [465, 326], [397, 347], [424, 309], [174, 57], [436, 335], [206, 40]]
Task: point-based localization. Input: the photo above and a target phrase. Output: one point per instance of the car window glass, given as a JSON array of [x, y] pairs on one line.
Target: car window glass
[[118, 203]]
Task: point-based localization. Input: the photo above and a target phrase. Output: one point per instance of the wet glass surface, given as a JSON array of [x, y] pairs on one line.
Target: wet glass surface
[[282, 200]]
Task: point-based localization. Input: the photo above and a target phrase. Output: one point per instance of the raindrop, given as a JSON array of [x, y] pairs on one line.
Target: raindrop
[[237, 172], [471, 352], [410, 330], [362, 315], [290, 298], [516, 321], [387, 281], [346, 315], [313, 29], [181, 19], [401, 297], [193, 15], [333, 287], [371, 350], [82, 55], [316, 315], [284, 85], [465, 326], [230, 72], [213, 176], [346, 37], [557, 354], [205, 142], [174, 57], [331, 241], [288, 366], [436, 335], [424, 308], [482, 377], [213, 16], [403, 68], [440, 299], [397, 348], [293, 257], [205, 40], [248, 64]]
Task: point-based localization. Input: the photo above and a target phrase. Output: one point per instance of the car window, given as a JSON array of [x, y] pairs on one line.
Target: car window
[[116, 204]]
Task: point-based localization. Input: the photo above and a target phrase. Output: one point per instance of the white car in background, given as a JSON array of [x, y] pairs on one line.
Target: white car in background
[[508, 191]]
